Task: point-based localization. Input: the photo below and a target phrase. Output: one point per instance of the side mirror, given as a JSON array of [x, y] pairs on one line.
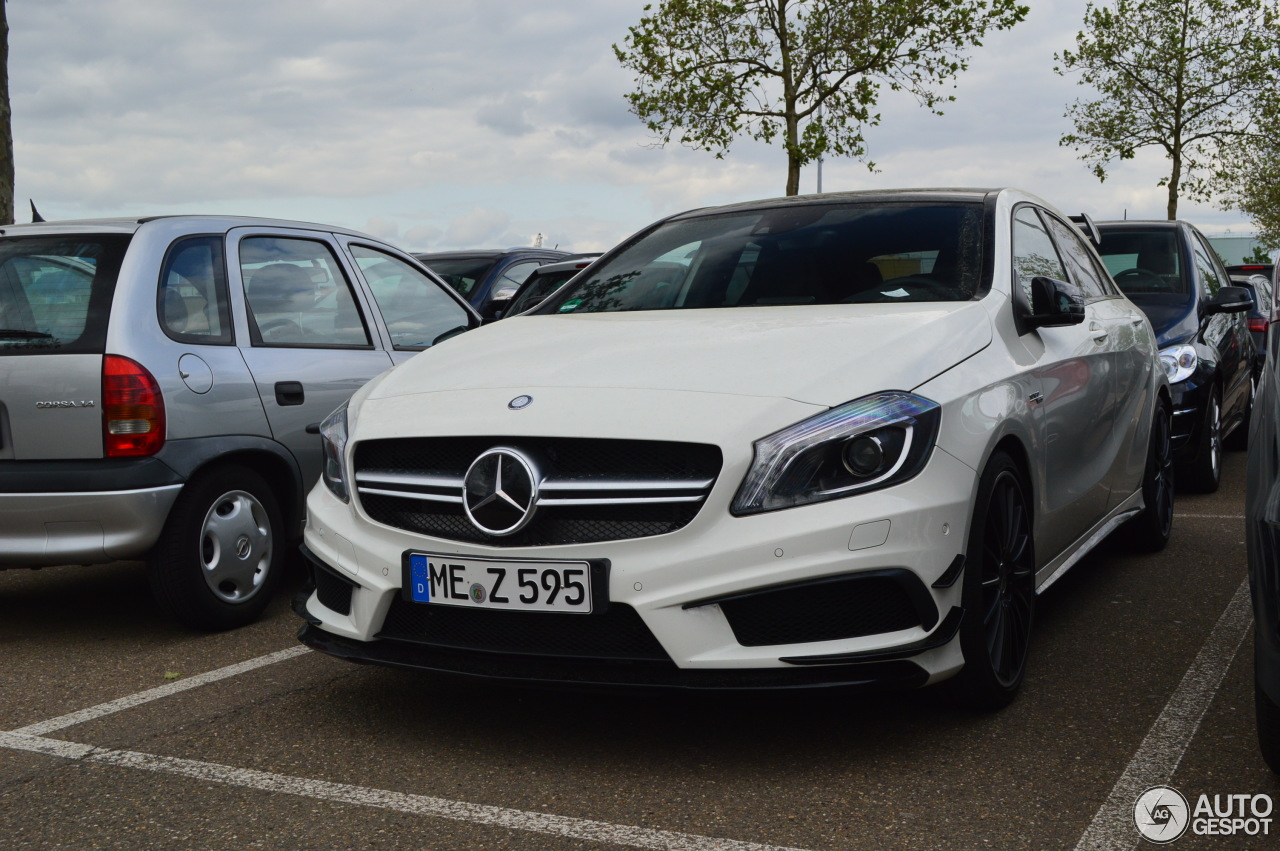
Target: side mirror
[[1054, 304], [1229, 300]]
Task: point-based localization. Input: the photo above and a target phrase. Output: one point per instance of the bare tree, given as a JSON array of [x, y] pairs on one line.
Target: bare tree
[[6, 123]]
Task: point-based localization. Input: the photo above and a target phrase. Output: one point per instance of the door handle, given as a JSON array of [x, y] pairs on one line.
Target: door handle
[[1097, 332], [289, 393]]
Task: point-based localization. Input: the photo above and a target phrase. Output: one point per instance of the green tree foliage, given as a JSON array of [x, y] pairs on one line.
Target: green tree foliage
[[708, 71], [1177, 75], [1251, 171]]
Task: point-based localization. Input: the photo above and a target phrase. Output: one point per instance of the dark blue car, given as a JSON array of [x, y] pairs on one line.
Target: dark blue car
[[488, 278], [1168, 269]]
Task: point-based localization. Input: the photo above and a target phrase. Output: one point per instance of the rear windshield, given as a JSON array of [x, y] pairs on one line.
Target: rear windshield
[[461, 274], [862, 253], [55, 292]]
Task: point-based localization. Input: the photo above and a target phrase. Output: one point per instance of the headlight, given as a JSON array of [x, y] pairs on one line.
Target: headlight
[[333, 439], [1178, 362], [863, 445]]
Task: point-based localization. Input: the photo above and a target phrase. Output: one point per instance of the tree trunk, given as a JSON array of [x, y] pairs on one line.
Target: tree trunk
[[6, 129], [793, 174], [1175, 177]]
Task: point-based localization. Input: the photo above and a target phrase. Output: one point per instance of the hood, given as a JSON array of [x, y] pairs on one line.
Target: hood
[[1174, 318], [822, 356]]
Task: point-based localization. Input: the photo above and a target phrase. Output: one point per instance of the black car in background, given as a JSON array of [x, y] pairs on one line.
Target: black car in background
[[1168, 269], [1256, 278], [544, 281], [488, 278]]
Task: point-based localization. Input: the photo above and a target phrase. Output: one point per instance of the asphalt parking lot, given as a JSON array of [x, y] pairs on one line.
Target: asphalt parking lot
[[125, 732]]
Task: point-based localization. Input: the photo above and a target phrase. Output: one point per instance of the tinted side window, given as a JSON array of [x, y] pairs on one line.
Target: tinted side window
[[298, 295], [1206, 270], [1033, 251], [417, 312], [1079, 262], [193, 292]]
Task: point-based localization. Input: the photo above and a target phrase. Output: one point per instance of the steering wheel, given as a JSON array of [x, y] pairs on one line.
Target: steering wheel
[[281, 331], [1140, 278]]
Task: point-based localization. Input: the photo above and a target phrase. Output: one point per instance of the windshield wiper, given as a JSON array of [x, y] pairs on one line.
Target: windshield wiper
[[24, 333]]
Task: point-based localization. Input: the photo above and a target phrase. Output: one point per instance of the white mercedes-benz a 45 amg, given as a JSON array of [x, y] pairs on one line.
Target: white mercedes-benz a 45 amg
[[833, 440]]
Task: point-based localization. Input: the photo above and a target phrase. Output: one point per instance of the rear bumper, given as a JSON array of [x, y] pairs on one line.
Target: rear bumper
[[89, 511], [85, 527]]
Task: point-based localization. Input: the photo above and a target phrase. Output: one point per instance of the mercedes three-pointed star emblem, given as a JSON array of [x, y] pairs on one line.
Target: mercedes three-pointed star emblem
[[500, 491]]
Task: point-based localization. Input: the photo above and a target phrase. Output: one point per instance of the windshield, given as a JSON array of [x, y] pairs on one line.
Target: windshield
[[1144, 262], [55, 292], [462, 273], [859, 253]]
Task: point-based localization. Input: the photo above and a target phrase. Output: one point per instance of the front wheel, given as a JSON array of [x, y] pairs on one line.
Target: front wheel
[[219, 556], [1204, 473], [998, 593], [1150, 530]]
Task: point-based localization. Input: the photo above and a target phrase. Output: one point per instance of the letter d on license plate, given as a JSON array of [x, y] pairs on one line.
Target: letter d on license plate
[[532, 586]]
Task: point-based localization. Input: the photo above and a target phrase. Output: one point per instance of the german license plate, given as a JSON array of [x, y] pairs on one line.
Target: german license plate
[[532, 586]]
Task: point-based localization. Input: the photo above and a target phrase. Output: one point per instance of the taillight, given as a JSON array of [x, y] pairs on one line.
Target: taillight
[[1258, 323], [132, 409]]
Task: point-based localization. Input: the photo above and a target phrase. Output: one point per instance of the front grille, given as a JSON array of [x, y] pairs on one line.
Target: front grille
[[845, 607], [618, 633], [589, 489]]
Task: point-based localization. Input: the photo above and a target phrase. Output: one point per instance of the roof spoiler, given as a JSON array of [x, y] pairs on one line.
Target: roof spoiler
[[1089, 228]]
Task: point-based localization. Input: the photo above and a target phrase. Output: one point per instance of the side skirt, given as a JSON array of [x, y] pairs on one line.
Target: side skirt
[[1067, 559]]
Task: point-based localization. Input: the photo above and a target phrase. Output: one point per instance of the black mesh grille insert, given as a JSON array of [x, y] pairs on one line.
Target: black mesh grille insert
[[333, 591], [847, 607], [560, 459], [617, 633]]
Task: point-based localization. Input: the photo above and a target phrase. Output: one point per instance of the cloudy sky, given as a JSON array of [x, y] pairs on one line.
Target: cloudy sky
[[465, 123]]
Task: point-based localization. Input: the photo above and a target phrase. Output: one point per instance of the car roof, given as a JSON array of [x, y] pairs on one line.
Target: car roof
[[126, 224], [960, 194], [578, 261]]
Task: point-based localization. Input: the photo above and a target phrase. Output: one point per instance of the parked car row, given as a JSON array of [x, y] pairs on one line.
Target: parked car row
[[844, 439]]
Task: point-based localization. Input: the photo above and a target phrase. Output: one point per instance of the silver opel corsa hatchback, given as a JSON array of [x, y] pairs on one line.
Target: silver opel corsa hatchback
[[158, 380], [842, 439]]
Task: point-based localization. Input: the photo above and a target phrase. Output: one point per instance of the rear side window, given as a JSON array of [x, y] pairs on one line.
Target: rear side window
[[55, 292], [298, 295], [193, 292]]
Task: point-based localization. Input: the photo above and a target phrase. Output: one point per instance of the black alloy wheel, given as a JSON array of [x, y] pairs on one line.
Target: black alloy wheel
[[998, 592]]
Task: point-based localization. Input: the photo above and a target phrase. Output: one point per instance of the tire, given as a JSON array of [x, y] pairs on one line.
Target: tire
[[221, 553], [1150, 530], [1204, 473], [998, 594]]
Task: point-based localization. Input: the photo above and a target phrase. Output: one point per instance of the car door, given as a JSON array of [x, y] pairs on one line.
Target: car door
[[309, 343], [1226, 333], [1117, 327], [416, 310], [1075, 413]]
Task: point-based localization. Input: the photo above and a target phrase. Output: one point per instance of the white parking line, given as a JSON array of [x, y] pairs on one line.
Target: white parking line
[[94, 712], [31, 739], [1166, 742], [574, 828]]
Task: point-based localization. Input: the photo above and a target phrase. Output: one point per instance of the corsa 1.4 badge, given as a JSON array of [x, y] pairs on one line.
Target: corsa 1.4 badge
[[538, 586]]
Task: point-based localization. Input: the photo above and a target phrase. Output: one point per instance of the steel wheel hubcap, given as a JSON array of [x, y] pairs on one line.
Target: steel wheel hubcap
[[235, 546]]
